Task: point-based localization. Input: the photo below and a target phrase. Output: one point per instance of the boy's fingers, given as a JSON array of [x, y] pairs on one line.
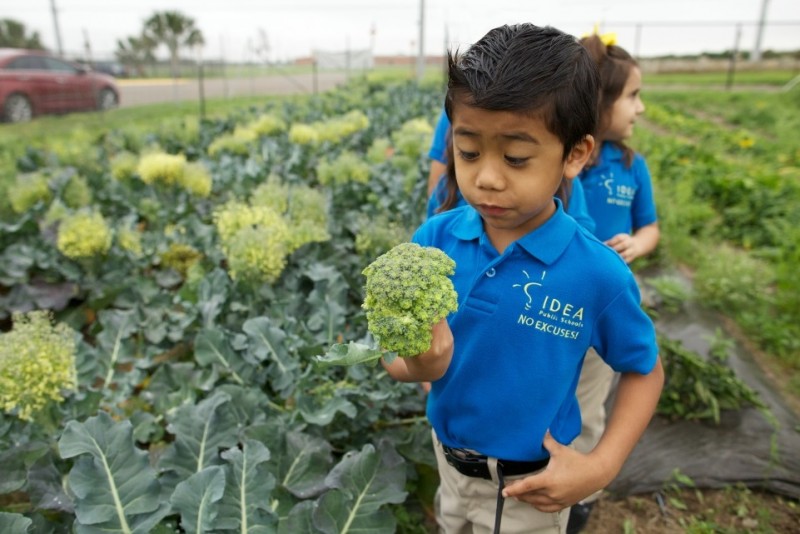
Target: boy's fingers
[[526, 485], [550, 443]]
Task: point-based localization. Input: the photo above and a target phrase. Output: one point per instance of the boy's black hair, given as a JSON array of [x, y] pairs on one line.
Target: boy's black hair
[[531, 70]]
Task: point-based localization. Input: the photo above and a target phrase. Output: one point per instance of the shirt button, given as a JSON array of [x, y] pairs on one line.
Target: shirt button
[[491, 272]]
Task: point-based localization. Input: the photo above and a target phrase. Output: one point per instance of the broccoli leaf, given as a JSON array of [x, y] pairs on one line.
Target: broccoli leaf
[[350, 354], [197, 499], [363, 482], [245, 506], [115, 488], [14, 523]]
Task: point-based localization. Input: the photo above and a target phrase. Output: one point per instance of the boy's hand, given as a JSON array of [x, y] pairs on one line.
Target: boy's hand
[[431, 364], [569, 477]]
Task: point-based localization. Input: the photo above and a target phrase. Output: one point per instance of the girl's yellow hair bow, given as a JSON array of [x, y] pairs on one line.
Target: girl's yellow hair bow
[[608, 39]]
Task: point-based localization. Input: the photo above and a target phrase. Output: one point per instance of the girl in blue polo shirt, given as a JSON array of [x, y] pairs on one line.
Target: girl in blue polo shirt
[[619, 197], [535, 292], [616, 181]]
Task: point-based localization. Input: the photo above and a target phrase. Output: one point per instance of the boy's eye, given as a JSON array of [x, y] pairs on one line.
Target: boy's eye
[[516, 162], [468, 156]]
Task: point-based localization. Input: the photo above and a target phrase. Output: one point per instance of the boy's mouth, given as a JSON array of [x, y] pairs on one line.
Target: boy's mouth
[[492, 211]]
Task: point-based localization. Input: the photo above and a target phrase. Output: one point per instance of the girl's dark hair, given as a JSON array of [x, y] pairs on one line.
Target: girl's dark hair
[[530, 70], [614, 64]]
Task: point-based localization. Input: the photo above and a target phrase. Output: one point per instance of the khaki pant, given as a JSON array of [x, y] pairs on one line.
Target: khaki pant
[[593, 389], [467, 505]]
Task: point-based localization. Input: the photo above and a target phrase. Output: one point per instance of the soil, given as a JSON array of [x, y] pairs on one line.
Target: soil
[[731, 510]]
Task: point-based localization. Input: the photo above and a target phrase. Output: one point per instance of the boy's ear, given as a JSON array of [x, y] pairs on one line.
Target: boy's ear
[[578, 157]]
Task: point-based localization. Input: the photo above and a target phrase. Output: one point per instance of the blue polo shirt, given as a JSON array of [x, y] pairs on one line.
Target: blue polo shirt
[[577, 202], [619, 198], [524, 323]]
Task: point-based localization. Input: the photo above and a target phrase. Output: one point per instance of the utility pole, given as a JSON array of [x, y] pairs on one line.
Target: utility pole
[[421, 41], [57, 29], [756, 55], [87, 49]]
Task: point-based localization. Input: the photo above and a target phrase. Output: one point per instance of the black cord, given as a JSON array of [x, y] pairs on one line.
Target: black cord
[[498, 514]]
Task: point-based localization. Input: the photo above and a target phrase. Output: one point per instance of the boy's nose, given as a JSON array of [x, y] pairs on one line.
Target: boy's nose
[[489, 177]]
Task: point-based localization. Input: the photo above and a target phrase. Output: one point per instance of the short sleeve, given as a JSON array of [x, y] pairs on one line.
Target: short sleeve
[[624, 335], [438, 150], [577, 207], [643, 209]]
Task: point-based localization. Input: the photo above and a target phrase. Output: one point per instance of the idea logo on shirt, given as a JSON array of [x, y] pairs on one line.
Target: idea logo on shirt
[[548, 314], [618, 195]]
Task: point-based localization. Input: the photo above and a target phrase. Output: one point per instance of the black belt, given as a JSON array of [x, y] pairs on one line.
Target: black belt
[[477, 466]]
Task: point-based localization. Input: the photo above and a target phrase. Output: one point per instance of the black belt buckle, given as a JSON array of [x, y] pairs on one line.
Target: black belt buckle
[[512, 468], [471, 465], [477, 465]]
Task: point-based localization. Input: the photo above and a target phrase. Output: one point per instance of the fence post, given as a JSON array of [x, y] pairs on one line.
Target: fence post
[[734, 53]]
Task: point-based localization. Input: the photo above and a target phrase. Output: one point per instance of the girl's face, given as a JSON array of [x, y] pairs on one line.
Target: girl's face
[[626, 108]]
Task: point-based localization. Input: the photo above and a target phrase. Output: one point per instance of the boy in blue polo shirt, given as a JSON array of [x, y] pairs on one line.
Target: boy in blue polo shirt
[[535, 292]]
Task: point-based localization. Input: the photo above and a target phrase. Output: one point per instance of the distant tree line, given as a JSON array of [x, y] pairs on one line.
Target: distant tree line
[[13, 34], [172, 29]]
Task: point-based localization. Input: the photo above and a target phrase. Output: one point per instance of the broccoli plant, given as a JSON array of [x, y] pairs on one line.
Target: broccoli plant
[[408, 290]]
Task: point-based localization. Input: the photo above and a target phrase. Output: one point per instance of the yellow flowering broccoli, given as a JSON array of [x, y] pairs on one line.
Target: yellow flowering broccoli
[[412, 138], [303, 134], [272, 193], [84, 234], [307, 216], [408, 290], [180, 257], [304, 209], [27, 191], [267, 125], [338, 128], [254, 239], [159, 167], [379, 151], [77, 193], [37, 363], [257, 254], [237, 142], [196, 180], [123, 166], [348, 167], [377, 236], [130, 240]]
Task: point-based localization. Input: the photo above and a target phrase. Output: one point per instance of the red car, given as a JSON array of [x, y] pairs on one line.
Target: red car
[[34, 82]]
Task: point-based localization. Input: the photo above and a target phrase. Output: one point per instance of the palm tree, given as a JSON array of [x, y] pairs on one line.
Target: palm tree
[[175, 30], [14, 35], [136, 52]]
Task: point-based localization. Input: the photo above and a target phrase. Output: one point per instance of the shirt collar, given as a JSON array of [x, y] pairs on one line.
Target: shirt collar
[[610, 152], [546, 243]]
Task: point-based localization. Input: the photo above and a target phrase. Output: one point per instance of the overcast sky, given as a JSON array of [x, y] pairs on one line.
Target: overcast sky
[[293, 28]]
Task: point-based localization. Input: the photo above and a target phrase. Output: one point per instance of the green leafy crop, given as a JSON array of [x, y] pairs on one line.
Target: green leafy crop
[[408, 290]]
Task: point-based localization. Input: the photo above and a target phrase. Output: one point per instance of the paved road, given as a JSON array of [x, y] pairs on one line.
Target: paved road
[[140, 92]]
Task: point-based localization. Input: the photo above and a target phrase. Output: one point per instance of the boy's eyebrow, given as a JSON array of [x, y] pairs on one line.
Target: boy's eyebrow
[[512, 136]]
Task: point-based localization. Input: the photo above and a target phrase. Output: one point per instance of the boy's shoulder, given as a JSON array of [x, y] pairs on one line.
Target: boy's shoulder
[[599, 255]]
